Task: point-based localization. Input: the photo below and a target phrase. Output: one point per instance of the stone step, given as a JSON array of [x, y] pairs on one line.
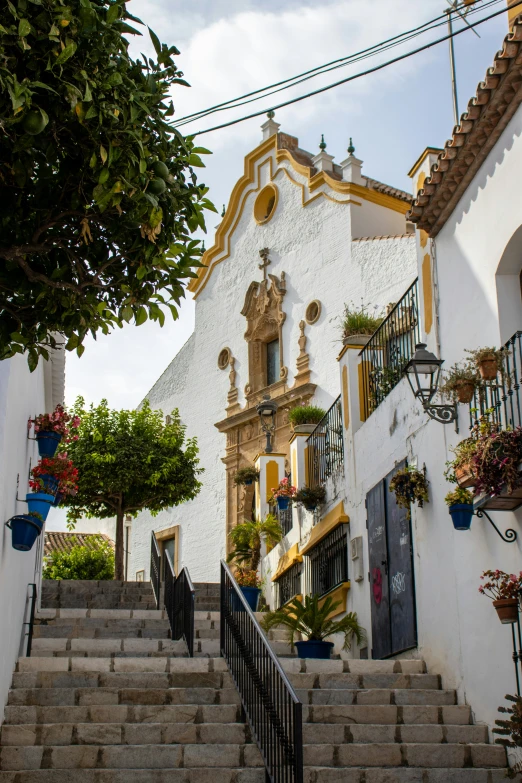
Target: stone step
[[414, 755], [352, 666], [104, 584], [138, 631], [144, 756], [365, 681], [395, 775], [64, 646], [119, 680], [326, 733], [99, 603], [120, 664], [125, 734], [334, 696], [85, 616], [82, 697], [387, 714], [123, 713]]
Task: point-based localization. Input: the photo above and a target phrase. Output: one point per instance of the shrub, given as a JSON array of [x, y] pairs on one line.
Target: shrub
[[360, 320], [92, 561], [305, 414]]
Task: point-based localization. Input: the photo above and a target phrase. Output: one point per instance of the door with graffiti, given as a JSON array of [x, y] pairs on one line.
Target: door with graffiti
[[392, 587]]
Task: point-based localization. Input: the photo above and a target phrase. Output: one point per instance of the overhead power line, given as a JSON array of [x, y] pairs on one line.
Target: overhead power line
[[359, 75], [342, 62]]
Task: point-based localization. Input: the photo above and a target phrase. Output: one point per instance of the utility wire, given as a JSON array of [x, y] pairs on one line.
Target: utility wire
[[358, 75], [327, 67]]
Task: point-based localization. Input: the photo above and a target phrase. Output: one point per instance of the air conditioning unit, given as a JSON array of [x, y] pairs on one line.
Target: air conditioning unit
[[356, 546]]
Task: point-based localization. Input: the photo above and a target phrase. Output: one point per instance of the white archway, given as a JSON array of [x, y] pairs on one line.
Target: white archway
[[509, 292]]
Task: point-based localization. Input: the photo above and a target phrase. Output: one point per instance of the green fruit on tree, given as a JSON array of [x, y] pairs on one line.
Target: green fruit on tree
[[156, 186], [33, 123], [160, 169]]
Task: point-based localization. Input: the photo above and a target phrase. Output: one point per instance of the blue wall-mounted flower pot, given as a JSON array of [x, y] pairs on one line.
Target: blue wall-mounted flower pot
[[312, 648], [47, 442], [39, 503], [50, 483], [25, 529], [283, 503], [57, 499], [461, 515]]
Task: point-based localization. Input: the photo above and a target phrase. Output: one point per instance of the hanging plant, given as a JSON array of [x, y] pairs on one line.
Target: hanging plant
[[410, 485], [489, 362], [496, 461], [460, 382], [56, 475], [311, 497], [246, 476], [503, 589]]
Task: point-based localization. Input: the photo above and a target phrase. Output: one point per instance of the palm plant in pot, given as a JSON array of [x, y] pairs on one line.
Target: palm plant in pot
[[310, 497], [503, 589], [246, 539], [460, 507], [283, 494], [310, 619], [246, 476], [460, 382]]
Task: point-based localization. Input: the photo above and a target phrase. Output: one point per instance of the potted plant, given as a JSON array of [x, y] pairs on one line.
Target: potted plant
[[246, 539], [359, 323], [410, 486], [50, 428], [283, 494], [246, 476], [460, 382], [496, 461], [310, 497], [25, 529], [55, 476], [504, 590], [39, 503], [312, 621], [460, 507], [489, 362], [305, 418], [250, 585], [460, 470]]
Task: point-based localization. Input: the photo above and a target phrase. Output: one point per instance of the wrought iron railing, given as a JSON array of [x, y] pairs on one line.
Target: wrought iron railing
[[180, 604], [270, 703], [288, 585], [325, 446], [155, 568], [326, 565], [28, 624], [389, 349], [285, 517], [502, 397]]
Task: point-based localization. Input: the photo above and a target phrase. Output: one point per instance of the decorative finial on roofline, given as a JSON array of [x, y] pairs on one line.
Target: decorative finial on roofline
[[224, 210], [322, 145], [351, 148], [270, 114]]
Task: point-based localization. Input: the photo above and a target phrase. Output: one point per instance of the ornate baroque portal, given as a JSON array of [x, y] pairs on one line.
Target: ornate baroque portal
[[267, 373]]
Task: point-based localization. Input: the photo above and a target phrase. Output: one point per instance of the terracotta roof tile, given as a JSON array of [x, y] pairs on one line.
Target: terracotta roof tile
[[64, 542], [487, 115]]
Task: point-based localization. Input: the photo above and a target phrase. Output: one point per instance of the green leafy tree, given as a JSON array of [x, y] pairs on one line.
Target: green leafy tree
[[247, 537], [129, 461], [94, 560], [98, 191]]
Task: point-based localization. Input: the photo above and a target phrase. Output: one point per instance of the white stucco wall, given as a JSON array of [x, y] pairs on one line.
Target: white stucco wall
[[313, 246], [22, 396]]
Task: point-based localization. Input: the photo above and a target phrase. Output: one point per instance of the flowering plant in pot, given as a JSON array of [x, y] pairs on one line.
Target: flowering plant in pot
[[283, 494], [312, 621], [460, 507], [246, 475], [460, 469], [489, 361], [304, 416], [51, 428], [310, 497], [503, 589], [55, 475], [460, 382], [496, 461], [246, 539], [410, 486]]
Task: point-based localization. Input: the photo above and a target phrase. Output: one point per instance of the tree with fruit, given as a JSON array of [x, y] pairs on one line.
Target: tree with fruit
[[98, 190]]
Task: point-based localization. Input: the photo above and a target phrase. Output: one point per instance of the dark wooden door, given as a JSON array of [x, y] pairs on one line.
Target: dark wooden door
[[392, 584]]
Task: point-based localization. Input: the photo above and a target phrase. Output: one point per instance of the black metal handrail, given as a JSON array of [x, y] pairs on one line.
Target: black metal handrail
[[389, 349], [288, 585], [180, 604], [326, 565], [502, 396], [325, 446], [285, 517], [30, 623], [155, 568], [270, 703]]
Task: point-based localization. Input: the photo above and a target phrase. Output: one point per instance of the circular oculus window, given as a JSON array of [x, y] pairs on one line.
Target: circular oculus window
[[224, 358], [313, 311], [265, 204]]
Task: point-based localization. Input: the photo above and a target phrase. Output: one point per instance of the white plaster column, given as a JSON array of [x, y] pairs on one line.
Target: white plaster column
[[298, 458], [271, 469], [269, 128], [323, 161]]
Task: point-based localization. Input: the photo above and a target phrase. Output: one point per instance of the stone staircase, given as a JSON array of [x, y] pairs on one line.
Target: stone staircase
[[107, 693]]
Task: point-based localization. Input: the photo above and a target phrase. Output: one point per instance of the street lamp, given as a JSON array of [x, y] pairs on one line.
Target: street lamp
[[423, 374], [266, 411]]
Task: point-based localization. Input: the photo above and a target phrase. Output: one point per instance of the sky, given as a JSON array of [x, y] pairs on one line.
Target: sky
[[230, 47]]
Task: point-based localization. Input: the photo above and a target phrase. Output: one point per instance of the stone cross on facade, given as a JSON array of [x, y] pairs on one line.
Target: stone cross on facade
[[266, 261]]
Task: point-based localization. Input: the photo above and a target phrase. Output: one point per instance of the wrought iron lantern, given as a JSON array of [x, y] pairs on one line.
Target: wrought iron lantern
[[423, 373], [267, 412]]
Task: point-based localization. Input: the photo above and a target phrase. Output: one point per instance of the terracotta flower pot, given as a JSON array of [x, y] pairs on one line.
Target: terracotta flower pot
[[507, 610], [465, 476], [465, 391], [488, 368]]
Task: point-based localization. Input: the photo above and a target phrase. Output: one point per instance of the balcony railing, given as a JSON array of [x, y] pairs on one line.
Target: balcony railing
[[389, 349], [288, 585], [325, 447], [326, 565], [502, 397]]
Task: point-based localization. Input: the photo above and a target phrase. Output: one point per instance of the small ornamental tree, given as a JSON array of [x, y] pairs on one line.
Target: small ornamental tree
[[98, 191], [94, 560], [129, 461]]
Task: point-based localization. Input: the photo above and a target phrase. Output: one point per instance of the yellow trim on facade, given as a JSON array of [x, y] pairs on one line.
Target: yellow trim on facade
[[286, 562], [362, 412], [275, 191], [422, 157], [333, 519], [427, 293], [346, 407], [306, 457], [339, 594], [248, 184], [272, 477], [294, 464]]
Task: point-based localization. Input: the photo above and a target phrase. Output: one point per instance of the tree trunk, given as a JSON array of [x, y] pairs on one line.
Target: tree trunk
[[118, 557]]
